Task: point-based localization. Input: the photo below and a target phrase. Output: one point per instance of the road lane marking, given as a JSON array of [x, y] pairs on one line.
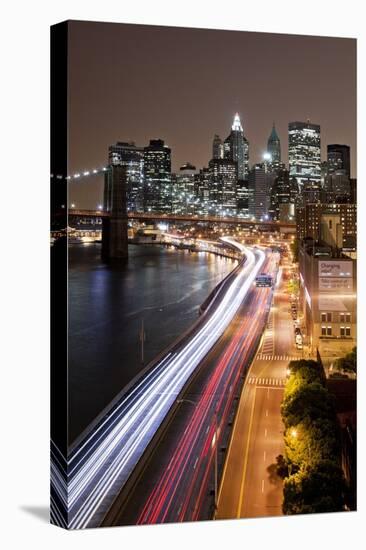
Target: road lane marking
[[262, 485], [242, 402], [266, 412], [264, 456], [265, 432], [246, 457]]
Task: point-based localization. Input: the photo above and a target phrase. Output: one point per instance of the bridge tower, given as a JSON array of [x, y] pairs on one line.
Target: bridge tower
[[114, 235]]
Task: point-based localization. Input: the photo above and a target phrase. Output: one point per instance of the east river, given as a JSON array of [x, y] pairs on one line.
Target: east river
[[158, 287]]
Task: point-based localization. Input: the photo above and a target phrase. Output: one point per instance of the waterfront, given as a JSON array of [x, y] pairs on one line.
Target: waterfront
[[107, 305]]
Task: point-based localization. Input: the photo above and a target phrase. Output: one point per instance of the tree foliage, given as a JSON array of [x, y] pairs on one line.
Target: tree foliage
[[312, 369], [295, 249], [314, 479], [348, 363], [293, 286], [307, 401], [315, 489], [315, 440]]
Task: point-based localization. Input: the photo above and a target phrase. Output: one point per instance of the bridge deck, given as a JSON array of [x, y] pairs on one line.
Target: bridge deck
[[147, 216]]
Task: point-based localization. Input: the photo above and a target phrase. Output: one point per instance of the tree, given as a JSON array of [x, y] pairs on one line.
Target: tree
[[310, 442], [314, 368], [295, 249], [282, 467], [314, 480], [293, 286], [315, 489], [311, 401], [348, 363]]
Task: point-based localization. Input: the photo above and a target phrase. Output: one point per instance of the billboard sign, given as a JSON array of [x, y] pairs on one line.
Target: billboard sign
[[335, 268], [344, 284]]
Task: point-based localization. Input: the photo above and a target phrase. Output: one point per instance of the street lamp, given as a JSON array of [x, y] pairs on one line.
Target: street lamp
[[294, 434]]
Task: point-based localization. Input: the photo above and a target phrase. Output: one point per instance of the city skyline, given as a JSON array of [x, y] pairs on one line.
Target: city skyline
[[195, 94], [224, 150]]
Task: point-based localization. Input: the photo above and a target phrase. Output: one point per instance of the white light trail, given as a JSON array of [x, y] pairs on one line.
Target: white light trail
[[101, 466]]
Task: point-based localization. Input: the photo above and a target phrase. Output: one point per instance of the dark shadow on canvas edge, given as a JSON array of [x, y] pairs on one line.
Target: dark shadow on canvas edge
[[40, 512]]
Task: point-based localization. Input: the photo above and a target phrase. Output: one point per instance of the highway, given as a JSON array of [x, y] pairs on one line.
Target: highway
[[175, 486], [250, 486], [100, 465]]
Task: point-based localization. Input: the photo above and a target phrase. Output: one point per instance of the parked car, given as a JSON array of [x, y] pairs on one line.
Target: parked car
[[298, 339]]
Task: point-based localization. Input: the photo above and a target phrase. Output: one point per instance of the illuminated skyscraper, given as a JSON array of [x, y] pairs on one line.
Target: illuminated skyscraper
[[236, 148], [185, 185], [304, 153], [274, 147], [157, 177], [242, 197], [132, 157], [223, 178], [217, 148], [284, 194], [203, 180], [338, 157], [260, 182]]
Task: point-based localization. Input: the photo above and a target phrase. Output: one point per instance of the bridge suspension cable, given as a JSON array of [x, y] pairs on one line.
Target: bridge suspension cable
[[81, 175]]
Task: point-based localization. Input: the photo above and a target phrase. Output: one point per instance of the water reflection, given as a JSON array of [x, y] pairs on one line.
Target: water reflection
[[107, 303]]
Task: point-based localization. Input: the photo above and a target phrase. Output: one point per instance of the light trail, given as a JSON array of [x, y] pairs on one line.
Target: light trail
[[181, 491], [101, 465]]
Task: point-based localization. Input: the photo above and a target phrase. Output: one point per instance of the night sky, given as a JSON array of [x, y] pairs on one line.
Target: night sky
[[136, 82]]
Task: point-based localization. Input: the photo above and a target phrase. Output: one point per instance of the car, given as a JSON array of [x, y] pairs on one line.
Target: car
[[299, 346], [298, 338]]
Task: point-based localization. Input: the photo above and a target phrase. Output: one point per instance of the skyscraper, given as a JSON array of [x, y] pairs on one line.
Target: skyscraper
[[132, 157], [274, 147], [203, 190], [337, 187], [223, 178], [236, 148], [185, 185], [157, 177], [217, 148], [304, 153], [260, 181], [338, 157], [283, 197], [242, 198]]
